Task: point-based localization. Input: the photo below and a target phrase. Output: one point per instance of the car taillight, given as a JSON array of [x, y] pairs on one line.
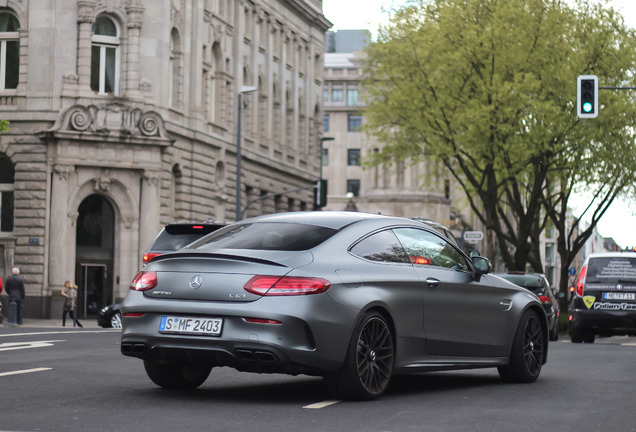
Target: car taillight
[[148, 256], [286, 285], [580, 283], [262, 321], [544, 299], [144, 281]]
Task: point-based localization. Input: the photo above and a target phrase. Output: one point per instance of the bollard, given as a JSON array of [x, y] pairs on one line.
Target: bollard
[[13, 314]]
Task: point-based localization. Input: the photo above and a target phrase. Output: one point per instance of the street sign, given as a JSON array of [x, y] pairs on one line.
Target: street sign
[[473, 236], [572, 271]]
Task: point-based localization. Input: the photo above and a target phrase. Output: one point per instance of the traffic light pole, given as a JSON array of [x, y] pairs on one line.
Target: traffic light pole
[[616, 88]]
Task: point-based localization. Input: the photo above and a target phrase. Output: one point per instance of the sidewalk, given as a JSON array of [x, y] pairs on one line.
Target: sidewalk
[[88, 323]]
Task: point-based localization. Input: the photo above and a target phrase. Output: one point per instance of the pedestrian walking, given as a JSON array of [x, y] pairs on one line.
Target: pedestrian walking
[[14, 285], [70, 303]]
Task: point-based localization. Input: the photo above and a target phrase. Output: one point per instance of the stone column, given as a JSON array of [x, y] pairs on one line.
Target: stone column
[[62, 220], [135, 12], [85, 20], [149, 222]]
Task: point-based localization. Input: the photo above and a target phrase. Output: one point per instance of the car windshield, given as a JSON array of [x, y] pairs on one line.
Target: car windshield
[[611, 270], [265, 236]]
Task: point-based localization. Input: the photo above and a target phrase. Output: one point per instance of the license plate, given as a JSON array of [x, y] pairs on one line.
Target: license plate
[[619, 296], [191, 325]]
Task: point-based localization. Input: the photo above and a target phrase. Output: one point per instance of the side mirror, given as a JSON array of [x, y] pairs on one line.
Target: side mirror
[[482, 265]]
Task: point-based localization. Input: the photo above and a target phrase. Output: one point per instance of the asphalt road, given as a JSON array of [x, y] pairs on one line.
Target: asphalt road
[[65, 379]]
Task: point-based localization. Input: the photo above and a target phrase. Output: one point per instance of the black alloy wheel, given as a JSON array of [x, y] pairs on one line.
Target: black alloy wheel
[[368, 363], [528, 350]]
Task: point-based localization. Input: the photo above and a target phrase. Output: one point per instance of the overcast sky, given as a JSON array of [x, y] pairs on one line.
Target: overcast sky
[[620, 221]]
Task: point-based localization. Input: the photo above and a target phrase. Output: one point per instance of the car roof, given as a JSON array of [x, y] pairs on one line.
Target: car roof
[[611, 254], [329, 219]]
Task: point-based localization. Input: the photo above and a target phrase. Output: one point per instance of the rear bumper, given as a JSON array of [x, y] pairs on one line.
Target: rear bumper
[[604, 322], [310, 339]]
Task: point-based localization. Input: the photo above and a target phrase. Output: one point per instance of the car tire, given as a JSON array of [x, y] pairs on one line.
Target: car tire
[[576, 336], [528, 350], [368, 364], [589, 337], [554, 333], [176, 376], [115, 320]]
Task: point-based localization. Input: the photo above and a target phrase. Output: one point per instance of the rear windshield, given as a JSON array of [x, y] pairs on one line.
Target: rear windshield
[[266, 236], [533, 283], [611, 270], [175, 237]]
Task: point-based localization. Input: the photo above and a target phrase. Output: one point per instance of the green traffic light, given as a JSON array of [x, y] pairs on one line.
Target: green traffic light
[[587, 107]]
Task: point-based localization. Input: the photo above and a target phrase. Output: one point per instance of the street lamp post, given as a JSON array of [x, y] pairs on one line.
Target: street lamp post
[[244, 89]]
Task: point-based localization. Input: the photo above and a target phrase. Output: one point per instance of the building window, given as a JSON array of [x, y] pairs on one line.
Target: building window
[[353, 186], [353, 157], [325, 95], [9, 51], [325, 157], [325, 122], [337, 95], [7, 179], [105, 57], [352, 97], [355, 121]]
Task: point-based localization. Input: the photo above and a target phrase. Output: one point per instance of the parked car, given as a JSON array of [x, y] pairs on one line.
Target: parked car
[[352, 297], [604, 301], [539, 285], [109, 316], [177, 235], [171, 237]]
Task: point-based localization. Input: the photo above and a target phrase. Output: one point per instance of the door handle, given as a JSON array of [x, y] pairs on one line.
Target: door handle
[[432, 282]]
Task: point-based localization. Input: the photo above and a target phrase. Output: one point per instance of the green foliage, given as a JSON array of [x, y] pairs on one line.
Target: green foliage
[[4, 125], [488, 88]]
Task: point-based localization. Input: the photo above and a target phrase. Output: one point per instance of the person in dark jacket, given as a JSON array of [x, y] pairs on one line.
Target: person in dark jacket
[[14, 285]]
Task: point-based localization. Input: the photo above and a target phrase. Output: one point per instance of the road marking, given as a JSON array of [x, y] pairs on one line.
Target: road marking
[[24, 371], [9, 346], [60, 332], [322, 404]]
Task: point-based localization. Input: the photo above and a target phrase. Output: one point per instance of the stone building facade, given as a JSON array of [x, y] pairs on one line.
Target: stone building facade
[[123, 117]]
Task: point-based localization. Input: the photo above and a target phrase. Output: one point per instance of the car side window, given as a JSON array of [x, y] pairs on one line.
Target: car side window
[[426, 248], [382, 246]]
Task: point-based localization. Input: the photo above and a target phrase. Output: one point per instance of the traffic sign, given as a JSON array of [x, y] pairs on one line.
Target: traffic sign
[[473, 236], [572, 271]]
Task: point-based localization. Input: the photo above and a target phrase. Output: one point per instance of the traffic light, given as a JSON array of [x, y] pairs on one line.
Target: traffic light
[[320, 193], [587, 96]]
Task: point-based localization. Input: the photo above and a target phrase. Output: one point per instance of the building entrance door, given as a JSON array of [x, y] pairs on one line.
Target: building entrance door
[[92, 288], [95, 249]]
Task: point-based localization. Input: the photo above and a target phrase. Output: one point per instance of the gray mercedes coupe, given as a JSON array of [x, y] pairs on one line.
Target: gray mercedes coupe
[[352, 297]]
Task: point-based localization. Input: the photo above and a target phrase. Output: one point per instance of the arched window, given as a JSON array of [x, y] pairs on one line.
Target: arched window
[[105, 45], [9, 51], [7, 179]]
